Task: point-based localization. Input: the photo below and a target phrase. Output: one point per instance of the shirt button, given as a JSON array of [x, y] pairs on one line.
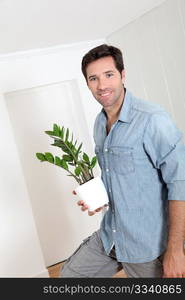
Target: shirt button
[[114, 230], [106, 150], [107, 170]]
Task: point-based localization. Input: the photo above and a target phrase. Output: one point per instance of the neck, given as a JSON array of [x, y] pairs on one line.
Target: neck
[[114, 111]]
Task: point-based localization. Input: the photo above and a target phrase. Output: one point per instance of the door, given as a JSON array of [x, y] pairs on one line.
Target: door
[[60, 223]]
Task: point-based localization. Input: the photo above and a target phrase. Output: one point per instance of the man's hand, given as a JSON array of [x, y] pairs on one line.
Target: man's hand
[[174, 264], [174, 257], [85, 207]]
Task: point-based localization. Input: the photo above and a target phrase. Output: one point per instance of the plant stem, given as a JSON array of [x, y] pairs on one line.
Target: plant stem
[[85, 171], [77, 179]]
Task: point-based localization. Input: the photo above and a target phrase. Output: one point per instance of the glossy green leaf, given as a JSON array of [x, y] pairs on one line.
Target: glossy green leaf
[[72, 138], [93, 162], [49, 132], [78, 150], [62, 132], [57, 161], [86, 158], [56, 130], [41, 156], [64, 164], [67, 135], [49, 157], [67, 157], [77, 171]]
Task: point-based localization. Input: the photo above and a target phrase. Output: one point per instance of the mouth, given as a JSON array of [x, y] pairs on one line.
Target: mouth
[[104, 95]]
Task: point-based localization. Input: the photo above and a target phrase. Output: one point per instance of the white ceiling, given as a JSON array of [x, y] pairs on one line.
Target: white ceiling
[[30, 24]]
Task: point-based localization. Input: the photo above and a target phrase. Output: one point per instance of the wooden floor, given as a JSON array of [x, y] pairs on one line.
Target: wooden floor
[[55, 269]]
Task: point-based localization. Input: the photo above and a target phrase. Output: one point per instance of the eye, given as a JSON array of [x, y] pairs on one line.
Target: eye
[[109, 75], [92, 78]]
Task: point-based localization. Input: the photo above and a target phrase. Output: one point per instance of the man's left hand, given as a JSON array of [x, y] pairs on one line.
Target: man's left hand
[[173, 265]]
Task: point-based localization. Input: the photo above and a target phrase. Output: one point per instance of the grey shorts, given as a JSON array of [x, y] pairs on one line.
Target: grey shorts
[[90, 260]]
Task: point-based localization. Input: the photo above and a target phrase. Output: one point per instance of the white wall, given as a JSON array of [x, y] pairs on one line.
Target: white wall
[[20, 251], [154, 52], [51, 65], [18, 73], [153, 48]]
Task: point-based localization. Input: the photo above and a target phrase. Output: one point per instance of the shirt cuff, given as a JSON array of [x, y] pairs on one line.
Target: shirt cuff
[[176, 190]]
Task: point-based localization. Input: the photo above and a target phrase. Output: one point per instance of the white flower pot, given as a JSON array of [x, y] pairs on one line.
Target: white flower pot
[[93, 193]]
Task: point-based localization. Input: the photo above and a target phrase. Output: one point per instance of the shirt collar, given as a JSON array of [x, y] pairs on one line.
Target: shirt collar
[[126, 109]]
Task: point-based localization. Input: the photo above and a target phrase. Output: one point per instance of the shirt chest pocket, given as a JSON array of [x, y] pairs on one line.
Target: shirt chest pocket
[[121, 160]]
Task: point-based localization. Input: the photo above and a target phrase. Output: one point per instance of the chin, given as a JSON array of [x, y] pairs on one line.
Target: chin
[[106, 103]]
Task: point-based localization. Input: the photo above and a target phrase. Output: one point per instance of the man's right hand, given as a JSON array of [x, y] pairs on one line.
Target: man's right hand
[[85, 207]]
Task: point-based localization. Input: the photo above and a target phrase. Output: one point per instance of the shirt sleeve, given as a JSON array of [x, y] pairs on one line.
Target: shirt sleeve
[[163, 143]]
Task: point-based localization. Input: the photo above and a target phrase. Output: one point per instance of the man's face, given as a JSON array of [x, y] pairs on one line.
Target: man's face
[[105, 82]]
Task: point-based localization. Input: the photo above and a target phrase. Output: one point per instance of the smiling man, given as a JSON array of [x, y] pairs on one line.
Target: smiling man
[[142, 159], [106, 85], [106, 82]]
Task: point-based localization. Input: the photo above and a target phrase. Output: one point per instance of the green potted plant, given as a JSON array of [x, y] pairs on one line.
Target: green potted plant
[[78, 165]]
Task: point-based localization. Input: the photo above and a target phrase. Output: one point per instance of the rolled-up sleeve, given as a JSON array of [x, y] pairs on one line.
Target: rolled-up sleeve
[[163, 143]]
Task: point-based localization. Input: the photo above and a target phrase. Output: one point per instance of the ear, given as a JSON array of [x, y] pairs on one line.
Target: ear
[[123, 76]]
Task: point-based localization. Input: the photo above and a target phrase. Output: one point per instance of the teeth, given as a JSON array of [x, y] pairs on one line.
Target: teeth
[[106, 94]]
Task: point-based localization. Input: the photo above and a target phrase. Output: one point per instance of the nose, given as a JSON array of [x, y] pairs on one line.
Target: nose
[[101, 84]]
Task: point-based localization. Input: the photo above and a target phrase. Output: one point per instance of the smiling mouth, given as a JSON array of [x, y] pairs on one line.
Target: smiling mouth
[[104, 94]]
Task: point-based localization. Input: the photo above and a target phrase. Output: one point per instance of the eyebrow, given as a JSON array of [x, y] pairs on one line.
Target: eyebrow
[[106, 72]]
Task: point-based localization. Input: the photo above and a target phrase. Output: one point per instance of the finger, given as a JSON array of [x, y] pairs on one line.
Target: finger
[[80, 202], [98, 209], [84, 207], [91, 213]]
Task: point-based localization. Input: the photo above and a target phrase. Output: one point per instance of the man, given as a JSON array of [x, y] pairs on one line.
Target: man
[[142, 159]]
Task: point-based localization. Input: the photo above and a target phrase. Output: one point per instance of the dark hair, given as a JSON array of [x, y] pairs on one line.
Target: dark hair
[[103, 51]]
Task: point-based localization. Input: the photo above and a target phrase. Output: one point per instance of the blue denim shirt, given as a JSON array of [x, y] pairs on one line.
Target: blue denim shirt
[[142, 162]]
